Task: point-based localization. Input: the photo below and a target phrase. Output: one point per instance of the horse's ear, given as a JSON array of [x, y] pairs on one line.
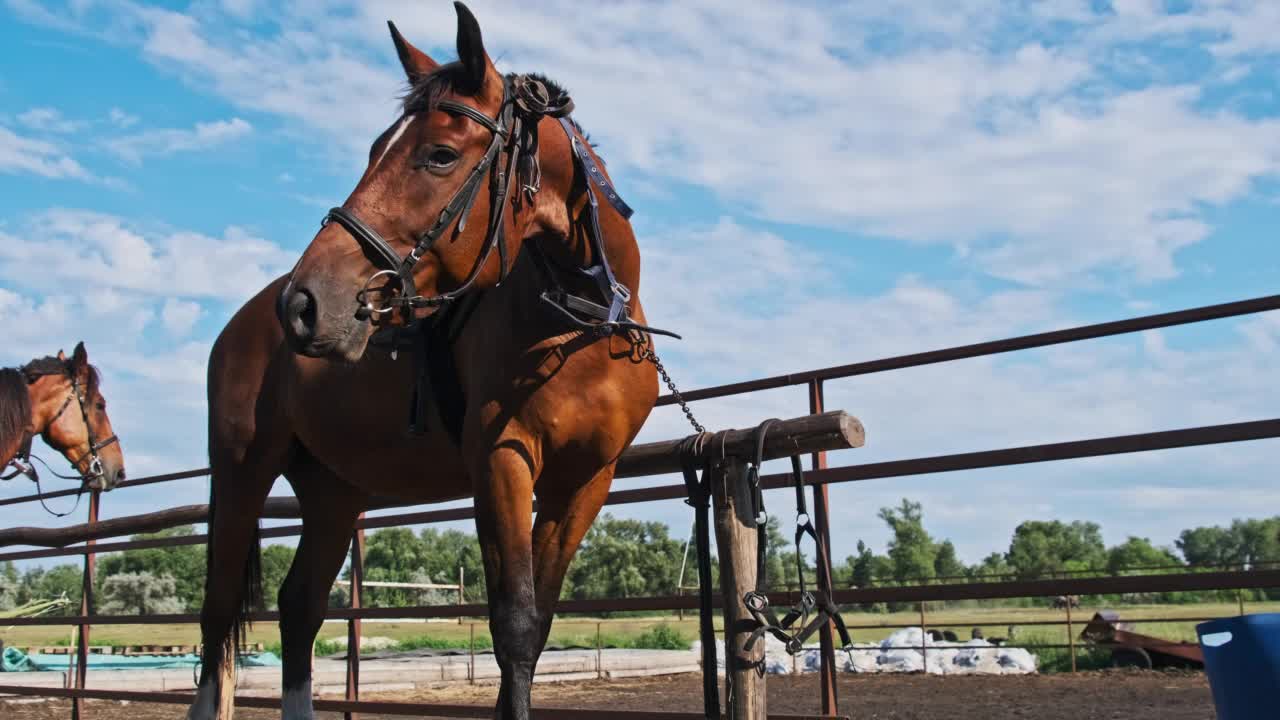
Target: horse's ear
[[79, 357], [415, 62], [475, 63], [61, 355]]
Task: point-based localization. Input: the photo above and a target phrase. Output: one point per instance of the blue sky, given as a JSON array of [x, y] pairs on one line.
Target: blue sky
[[815, 183]]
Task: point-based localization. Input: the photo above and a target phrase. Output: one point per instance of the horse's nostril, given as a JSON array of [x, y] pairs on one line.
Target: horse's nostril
[[120, 475], [300, 311]]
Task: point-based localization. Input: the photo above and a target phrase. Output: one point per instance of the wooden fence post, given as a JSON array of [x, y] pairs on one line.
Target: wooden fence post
[[353, 624], [736, 540], [86, 609]]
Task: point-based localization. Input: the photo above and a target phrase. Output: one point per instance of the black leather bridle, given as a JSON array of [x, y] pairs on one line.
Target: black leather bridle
[[525, 100], [21, 462], [505, 127]]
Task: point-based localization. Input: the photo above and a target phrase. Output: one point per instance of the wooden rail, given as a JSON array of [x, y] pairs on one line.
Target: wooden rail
[[834, 430]]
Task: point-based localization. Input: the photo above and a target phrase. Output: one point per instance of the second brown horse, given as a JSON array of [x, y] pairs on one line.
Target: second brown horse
[[295, 388]]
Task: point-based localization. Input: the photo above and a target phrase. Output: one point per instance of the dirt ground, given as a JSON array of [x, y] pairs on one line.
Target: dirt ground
[[1111, 695]]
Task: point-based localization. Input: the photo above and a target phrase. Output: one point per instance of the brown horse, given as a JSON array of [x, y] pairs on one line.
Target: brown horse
[[532, 385], [58, 399]]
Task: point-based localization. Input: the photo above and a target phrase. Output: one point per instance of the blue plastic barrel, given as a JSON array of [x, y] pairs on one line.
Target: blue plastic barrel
[[1242, 660]]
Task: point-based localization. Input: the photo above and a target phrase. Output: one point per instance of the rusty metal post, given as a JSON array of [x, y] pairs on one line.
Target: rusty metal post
[[924, 642], [471, 663], [822, 523], [1071, 636], [599, 654], [462, 584], [353, 624], [1240, 600], [86, 609]]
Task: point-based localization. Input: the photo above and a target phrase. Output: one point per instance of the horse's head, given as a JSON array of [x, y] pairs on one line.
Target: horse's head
[[455, 178], [72, 416]]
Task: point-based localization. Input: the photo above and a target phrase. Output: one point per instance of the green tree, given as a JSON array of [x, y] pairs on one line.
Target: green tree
[[276, 560], [1208, 546], [391, 555], [861, 567], [945, 562], [50, 583], [434, 557], [911, 550], [185, 564], [993, 568], [1043, 547], [624, 558], [9, 583], [446, 551], [1138, 552], [139, 593], [1245, 542], [1258, 540]]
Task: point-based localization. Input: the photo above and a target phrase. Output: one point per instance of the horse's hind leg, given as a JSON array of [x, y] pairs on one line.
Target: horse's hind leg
[[329, 510], [563, 520], [232, 581]]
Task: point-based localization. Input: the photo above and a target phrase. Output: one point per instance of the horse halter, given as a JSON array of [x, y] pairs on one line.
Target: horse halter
[[523, 99]]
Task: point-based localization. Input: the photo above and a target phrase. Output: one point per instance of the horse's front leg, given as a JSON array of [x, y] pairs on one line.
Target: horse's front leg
[[504, 523]]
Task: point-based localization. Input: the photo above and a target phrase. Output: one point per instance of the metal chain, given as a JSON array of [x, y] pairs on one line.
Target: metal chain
[[652, 357]]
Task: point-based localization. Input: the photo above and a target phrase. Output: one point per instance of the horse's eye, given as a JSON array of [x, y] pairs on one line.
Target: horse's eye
[[102, 407], [440, 158]]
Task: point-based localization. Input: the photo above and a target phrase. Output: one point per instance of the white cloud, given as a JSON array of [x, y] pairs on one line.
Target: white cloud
[[23, 155], [933, 122], [179, 316], [121, 119], [754, 317], [82, 246], [204, 136], [48, 119]]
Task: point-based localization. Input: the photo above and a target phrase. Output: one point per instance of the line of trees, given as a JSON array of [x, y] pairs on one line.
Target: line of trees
[[631, 558]]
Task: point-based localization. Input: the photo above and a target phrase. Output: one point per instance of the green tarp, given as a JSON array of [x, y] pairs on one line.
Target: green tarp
[[14, 660]]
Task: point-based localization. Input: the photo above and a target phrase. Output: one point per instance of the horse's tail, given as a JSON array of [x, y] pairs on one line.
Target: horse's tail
[[251, 582]]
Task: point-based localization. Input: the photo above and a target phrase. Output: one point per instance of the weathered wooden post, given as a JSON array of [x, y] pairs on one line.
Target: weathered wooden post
[[736, 539]]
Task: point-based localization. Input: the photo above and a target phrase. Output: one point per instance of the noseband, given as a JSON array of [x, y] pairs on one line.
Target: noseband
[[525, 101]]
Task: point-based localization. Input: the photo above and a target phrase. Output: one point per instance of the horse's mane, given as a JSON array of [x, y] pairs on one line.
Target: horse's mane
[[15, 412], [426, 91]]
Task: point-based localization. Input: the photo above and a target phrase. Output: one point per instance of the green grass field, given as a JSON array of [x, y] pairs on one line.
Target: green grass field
[[646, 631]]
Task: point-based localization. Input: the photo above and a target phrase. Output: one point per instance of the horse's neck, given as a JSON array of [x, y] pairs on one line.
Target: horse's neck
[[15, 431]]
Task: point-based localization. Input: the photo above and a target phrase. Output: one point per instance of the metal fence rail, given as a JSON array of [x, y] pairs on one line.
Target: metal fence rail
[[820, 477]]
